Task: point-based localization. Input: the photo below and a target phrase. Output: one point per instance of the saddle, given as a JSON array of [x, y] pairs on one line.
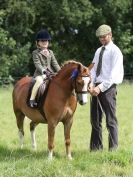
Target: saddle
[[41, 93]]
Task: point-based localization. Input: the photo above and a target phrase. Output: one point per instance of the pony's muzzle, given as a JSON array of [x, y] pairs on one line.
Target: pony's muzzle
[[82, 98]]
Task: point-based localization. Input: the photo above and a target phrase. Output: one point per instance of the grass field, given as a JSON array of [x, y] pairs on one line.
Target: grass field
[[15, 162]]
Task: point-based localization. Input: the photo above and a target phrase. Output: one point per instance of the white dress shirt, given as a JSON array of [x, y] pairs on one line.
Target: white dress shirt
[[112, 67]]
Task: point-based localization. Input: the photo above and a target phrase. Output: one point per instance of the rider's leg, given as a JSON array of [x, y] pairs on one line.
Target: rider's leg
[[39, 81]]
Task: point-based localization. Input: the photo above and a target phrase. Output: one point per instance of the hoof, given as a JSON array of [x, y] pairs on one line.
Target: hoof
[[50, 155], [21, 146], [34, 146], [69, 157]]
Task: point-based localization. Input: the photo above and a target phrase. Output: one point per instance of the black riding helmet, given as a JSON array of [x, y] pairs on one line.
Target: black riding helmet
[[43, 35]]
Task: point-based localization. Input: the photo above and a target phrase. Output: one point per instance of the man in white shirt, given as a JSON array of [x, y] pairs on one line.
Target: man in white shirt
[[106, 74]]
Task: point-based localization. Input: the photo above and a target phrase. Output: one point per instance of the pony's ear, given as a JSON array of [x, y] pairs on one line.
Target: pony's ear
[[80, 68], [91, 66]]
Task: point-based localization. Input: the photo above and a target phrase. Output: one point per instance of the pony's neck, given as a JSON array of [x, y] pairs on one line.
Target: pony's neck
[[66, 72], [64, 78]]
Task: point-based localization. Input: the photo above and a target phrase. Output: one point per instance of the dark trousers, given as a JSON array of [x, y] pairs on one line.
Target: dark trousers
[[106, 100]]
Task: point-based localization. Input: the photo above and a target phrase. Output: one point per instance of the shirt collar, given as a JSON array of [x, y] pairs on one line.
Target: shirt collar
[[108, 45]]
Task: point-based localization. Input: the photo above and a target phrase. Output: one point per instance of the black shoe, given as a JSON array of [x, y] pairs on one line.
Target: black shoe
[[32, 103]]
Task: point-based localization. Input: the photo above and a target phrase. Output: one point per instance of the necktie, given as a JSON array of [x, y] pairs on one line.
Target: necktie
[[99, 66]]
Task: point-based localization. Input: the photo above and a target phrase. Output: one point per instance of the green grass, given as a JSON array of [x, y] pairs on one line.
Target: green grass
[[15, 162]]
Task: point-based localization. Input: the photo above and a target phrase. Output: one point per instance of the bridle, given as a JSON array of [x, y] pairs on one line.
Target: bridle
[[75, 86]]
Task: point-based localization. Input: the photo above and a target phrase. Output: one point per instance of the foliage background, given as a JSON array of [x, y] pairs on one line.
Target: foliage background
[[72, 25]]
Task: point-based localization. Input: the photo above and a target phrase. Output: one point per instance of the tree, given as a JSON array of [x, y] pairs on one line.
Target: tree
[[72, 25], [16, 19]]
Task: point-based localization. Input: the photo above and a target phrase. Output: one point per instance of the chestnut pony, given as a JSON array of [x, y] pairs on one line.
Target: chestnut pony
[[67, 87]]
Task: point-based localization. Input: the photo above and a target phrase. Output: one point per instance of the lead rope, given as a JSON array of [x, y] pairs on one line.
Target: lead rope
[[97, 129], [98, 102]]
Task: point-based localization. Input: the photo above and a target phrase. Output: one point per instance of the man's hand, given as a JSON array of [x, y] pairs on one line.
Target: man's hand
[[94, 91], [90, 88]]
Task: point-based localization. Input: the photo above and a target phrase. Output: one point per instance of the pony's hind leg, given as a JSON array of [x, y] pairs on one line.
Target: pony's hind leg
[[20, 121], [32, 130]]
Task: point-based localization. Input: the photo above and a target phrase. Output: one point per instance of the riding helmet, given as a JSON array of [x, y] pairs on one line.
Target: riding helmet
[[43, 35]]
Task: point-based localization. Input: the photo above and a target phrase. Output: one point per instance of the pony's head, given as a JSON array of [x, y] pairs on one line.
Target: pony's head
[[82, 79]]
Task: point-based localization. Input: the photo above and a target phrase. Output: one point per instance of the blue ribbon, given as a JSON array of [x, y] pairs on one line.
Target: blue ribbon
[[74, 73]]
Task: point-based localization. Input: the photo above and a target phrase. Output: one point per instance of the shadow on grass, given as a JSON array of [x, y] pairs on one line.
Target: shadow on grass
[[11, 154], [120, 157]]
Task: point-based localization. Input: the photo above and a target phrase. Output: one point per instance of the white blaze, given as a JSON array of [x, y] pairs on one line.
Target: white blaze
[[86, 82], [84, 96]]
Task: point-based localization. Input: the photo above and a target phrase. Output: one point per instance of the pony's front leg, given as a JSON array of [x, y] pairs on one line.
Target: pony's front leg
[[51, 133], [21, 138], [67, 128], [32, 130]]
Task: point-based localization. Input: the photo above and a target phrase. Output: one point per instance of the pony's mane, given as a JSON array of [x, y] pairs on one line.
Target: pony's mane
[[70, 62], [66, 63]]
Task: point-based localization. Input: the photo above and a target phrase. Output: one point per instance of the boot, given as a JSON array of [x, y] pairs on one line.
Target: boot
[[32, 104]]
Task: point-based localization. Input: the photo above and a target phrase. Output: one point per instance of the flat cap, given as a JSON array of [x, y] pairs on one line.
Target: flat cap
[[103, 30]]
